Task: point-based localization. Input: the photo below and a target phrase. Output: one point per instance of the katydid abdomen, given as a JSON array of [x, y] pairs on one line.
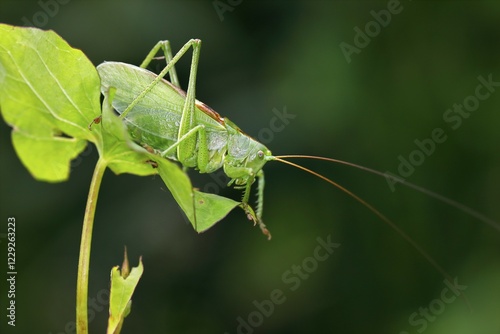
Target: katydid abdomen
[[155, 121]]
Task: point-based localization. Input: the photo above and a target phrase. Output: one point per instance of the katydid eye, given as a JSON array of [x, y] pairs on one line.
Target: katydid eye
[[260, 154]]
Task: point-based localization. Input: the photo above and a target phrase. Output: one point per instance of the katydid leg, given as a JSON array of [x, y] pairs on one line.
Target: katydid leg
[[256, 216], [167, 51], [260, 193], [202, 159], [195, 43], [187, 148]]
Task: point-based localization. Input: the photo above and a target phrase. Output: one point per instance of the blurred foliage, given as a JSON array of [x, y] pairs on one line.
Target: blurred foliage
[[265, 56]]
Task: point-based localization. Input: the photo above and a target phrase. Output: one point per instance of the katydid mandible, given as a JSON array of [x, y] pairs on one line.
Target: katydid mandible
[[163, 118]]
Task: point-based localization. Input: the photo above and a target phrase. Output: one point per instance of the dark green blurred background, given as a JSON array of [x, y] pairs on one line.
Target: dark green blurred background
[[267, 55]]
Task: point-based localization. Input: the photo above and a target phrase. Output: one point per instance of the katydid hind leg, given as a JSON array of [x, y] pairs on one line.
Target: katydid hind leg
[[190, 134], [186, 150], [167, 69], [167, 52]]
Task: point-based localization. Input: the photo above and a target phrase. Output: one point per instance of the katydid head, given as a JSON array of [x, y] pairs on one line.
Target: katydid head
[[258, 158], [245, 159]]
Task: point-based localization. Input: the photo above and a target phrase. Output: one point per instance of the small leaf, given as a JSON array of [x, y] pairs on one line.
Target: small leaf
[[122, 290], [49, 93], [211, 208]]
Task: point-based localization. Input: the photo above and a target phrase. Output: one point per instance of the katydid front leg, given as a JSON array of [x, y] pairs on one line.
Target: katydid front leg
[[260, 202]]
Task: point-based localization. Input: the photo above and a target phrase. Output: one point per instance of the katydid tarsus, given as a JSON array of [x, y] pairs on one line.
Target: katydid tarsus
[[173, 124]]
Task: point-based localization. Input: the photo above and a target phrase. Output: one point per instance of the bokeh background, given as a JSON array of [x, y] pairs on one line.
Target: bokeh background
[[260, 56]]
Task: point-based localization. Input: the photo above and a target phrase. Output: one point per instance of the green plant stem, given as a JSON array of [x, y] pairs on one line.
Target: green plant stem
[[82, 284]]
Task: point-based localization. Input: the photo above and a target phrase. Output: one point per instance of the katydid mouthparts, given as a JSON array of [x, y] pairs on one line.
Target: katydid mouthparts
[[171, 123]]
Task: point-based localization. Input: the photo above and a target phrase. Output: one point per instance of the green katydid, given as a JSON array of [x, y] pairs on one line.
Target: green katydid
[[174, 125]]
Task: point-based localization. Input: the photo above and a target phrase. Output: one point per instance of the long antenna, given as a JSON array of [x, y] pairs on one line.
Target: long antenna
[[471, 212], [369, 207]]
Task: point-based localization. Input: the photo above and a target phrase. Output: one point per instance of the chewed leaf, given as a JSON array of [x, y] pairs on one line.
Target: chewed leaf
[[47, 157], [49, 93]]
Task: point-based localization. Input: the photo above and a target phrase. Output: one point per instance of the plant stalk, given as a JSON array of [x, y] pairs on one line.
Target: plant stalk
[[82, 283]]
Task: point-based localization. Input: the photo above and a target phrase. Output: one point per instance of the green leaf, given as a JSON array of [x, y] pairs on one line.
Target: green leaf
[[49, 93], [203, 210], [120, 299], [211, 208], [47, 158]]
